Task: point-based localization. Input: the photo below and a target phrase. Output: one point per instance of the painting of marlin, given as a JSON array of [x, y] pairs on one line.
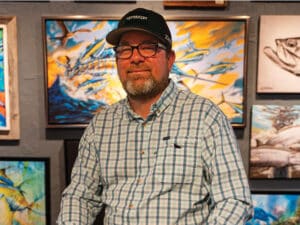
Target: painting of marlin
[[82, 76]]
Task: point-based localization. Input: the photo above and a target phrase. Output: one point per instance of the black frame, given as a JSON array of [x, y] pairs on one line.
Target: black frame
[[46, 163]]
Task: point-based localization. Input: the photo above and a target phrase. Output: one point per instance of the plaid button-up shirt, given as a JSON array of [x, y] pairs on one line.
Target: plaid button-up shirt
[[179, 166]]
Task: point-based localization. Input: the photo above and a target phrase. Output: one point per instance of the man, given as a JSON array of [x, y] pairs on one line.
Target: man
[[160, 156]]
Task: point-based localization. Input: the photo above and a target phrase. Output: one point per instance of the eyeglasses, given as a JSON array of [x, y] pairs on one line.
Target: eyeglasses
[[145, 49]]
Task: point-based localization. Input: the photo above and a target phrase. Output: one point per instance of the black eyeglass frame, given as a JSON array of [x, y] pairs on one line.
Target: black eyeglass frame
[[157, 46]]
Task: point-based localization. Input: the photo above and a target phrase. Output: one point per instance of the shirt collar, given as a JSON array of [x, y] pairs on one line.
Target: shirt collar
[[157, 108]]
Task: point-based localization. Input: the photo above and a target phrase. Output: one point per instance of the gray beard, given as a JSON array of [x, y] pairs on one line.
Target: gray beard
[[149, 89]]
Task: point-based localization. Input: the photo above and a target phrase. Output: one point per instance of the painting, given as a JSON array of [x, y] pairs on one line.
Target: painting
[[197, 4], [278, 54], [9, 82], [4, 77], [274, 150], [275, 208], [81, 76], [24, 191], [211, 61]]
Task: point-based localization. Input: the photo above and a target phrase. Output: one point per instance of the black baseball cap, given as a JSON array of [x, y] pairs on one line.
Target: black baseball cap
[[141, 19]]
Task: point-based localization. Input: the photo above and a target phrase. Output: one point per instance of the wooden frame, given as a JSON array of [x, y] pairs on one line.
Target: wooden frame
[[24, 190], [14, 132], [81, 76], [197, 4], [271, 207]]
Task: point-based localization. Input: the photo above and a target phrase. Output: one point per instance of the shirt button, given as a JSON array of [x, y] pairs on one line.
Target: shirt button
[[155, 152], [140, 181], [130, 206], [142, 152]]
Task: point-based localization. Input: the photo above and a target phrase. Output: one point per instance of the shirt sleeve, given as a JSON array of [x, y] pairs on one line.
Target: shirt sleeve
[[230, 198], [81, 200]]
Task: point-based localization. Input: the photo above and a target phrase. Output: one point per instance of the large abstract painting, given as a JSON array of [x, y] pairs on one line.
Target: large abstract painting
[[4, 88], [275, 142], [279, 54], [24, 186], [81, 75], [275, 209]]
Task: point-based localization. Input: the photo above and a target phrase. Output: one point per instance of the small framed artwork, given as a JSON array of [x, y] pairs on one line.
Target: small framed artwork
[[81, 76], [9, 92], [275, 208], [24, 191], [274, 150], [4, 80], [193, 4], [278, 54]]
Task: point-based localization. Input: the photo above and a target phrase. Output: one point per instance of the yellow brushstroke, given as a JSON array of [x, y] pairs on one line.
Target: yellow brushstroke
[[6, 217], [227, 78]]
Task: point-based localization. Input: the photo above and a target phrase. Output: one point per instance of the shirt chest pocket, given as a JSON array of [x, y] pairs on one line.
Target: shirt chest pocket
[[177, 161]]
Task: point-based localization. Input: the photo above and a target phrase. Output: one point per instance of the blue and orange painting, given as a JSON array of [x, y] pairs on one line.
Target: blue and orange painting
[[23, 192], [82, 75], [4, 106], [276, 209]]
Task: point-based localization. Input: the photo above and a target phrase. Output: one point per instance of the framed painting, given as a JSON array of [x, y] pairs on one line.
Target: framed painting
[[278, 54], [81, 76], [4, 81], [274, 150], [24, 191], [275, 208], [211, 61], [9, 90], [197, 4]]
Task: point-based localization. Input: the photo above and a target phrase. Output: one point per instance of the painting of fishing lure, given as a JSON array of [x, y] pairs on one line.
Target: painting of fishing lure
[[24, 191], [4, 76], [275, 209], [81, 75], [279, 54], [275, 142]]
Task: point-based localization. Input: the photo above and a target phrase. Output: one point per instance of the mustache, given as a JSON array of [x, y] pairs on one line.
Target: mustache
[[137, 68]]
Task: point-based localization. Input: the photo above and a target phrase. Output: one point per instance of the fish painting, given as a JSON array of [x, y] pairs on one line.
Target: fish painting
[[286, 55], [275, 142], [275, 209], [22, 193], [82, 76], [278, 54]]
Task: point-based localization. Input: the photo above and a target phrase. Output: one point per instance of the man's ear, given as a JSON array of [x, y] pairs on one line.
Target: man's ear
[[171, 59]]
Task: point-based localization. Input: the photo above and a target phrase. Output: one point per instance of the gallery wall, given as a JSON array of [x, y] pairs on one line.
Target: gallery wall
[[38, 141]]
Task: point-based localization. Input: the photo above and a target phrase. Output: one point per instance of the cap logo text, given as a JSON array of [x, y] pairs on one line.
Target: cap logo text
[[137, 17]]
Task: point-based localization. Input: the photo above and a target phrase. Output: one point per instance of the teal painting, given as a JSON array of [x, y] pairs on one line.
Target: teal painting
[[23, 191]]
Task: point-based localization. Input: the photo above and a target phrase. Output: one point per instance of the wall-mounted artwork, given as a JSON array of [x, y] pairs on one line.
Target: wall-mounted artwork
[[211, 61], [195, 4], [275, 142], [4, 78], [24, 191], [81, 76], [275, 208], [279, 54], [9, 90]]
